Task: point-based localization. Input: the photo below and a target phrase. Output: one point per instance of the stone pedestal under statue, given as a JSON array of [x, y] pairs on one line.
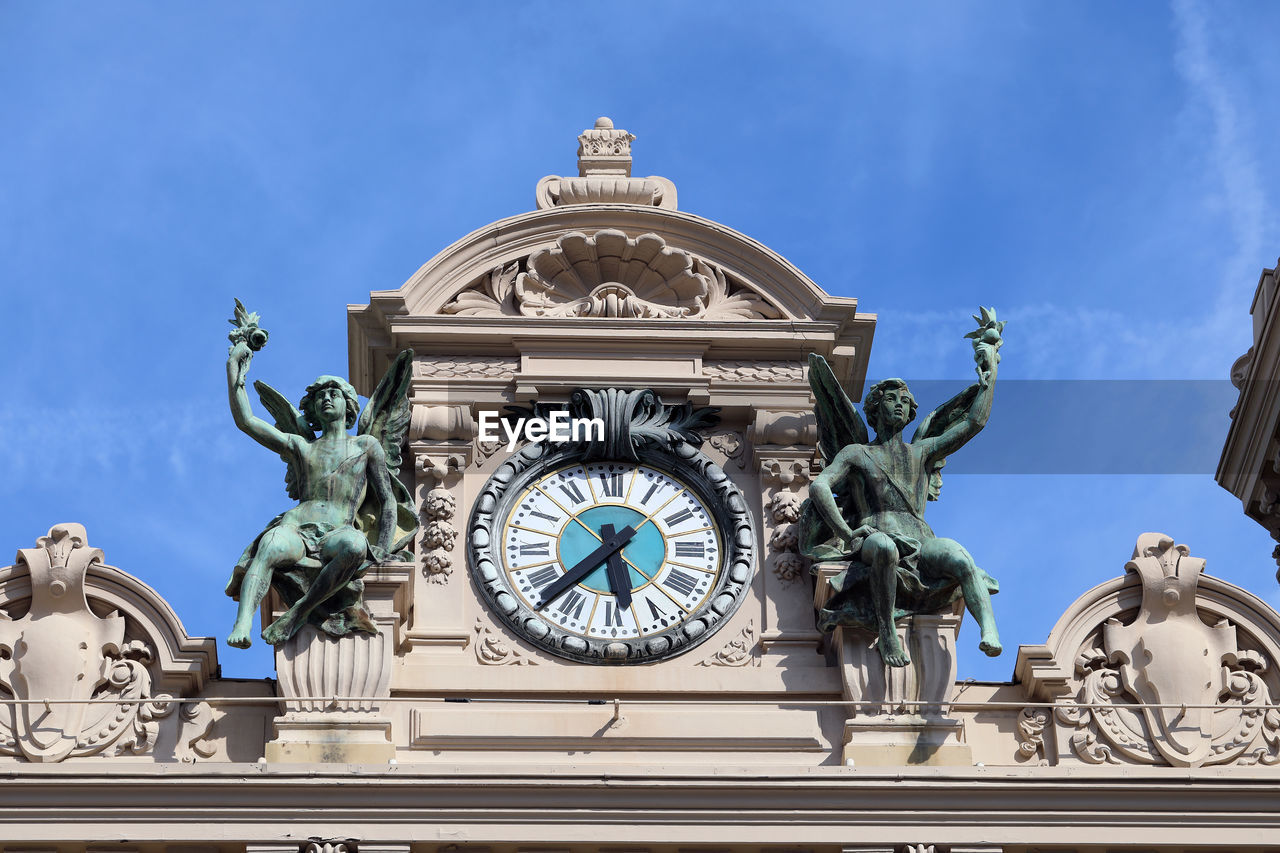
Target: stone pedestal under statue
[[899, 715], [332, 687]]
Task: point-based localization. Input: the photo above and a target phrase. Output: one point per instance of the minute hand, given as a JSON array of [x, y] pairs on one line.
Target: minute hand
[[584, 566]]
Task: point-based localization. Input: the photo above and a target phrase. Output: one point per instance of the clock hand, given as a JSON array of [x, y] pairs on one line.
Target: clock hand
[[619, 578], [584, 566]]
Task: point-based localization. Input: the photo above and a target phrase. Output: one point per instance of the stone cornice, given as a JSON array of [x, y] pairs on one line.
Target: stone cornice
[[1251, 447], [1219, 807]]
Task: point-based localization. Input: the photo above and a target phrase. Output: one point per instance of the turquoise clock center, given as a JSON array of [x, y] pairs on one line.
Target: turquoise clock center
[[643, 554]]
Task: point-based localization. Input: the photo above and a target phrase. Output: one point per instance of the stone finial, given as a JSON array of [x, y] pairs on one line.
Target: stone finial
[[604, 150], [604, 174]]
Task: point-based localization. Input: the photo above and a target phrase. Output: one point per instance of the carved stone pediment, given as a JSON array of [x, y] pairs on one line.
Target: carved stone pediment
[[610, 274], [93, 659], [1164, 666]]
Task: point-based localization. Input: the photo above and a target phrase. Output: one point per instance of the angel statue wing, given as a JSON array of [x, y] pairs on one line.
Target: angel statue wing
[[839, 423], [288, 420], [936, 423], [386, 418]]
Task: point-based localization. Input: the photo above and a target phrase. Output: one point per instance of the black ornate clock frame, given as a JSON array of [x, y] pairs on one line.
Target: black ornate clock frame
[[638, 429]]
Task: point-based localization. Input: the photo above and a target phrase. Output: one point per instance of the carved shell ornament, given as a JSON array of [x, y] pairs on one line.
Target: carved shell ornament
[[610, 274]]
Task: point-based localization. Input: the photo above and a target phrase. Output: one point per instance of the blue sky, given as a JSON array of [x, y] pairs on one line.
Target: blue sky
[[1104, 174]]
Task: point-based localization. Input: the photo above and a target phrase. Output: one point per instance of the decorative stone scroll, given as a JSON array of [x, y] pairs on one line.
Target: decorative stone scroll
[[611, 274], [740, 651], [1168, 666], [492, 650], [88, 684]]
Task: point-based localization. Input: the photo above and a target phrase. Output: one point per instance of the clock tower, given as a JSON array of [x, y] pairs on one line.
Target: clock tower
[[651, 563]]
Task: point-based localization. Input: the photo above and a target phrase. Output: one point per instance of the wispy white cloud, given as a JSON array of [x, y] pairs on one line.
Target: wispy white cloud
[[1243, 200], [72, 440], [1044, 340], [1239, 195], [1202, 326]]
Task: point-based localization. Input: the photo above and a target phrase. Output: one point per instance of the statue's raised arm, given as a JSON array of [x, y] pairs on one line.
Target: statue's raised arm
[[352, 509], [950, 426], [246, 339], [866, 509]]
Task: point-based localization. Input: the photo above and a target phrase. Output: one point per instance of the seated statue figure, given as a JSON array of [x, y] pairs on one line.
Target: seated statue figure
[[352, 509], [867, 506]]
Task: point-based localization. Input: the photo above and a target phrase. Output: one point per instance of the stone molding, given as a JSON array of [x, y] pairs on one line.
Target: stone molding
[[477, 367], [1248, 465], [120, 663], [821, 806], [1166, 635], [753, 370]]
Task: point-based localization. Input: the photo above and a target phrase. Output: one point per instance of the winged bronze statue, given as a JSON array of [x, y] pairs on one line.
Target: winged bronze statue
[[352, 508], [866, 508]]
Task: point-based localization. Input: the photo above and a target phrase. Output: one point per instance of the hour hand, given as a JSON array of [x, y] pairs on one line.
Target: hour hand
[[619, 578]]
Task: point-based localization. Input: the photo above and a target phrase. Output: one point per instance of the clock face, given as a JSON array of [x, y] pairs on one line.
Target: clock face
[[608, 561], [669, 564]]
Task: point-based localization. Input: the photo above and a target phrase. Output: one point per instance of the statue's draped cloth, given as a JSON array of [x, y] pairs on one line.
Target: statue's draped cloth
[[338, 615], [851, 603]]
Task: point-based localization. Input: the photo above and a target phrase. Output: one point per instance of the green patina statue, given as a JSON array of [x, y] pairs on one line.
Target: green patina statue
[[866, 508], [352, 509]]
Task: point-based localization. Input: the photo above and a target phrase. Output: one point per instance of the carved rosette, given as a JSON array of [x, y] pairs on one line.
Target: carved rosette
[[784, 542], [611, 274], [60, 648], [438, 532], [782, 479]]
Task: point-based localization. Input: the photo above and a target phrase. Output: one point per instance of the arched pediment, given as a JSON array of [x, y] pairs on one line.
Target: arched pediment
[[182, 663], [1165, 665], [107, 648], [538, 241]]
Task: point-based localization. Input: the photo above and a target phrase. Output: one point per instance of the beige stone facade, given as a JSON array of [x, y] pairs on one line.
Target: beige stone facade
[[1146, 721]]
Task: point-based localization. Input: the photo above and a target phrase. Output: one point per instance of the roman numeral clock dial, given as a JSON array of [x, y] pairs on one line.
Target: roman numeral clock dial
[[614, 562]]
